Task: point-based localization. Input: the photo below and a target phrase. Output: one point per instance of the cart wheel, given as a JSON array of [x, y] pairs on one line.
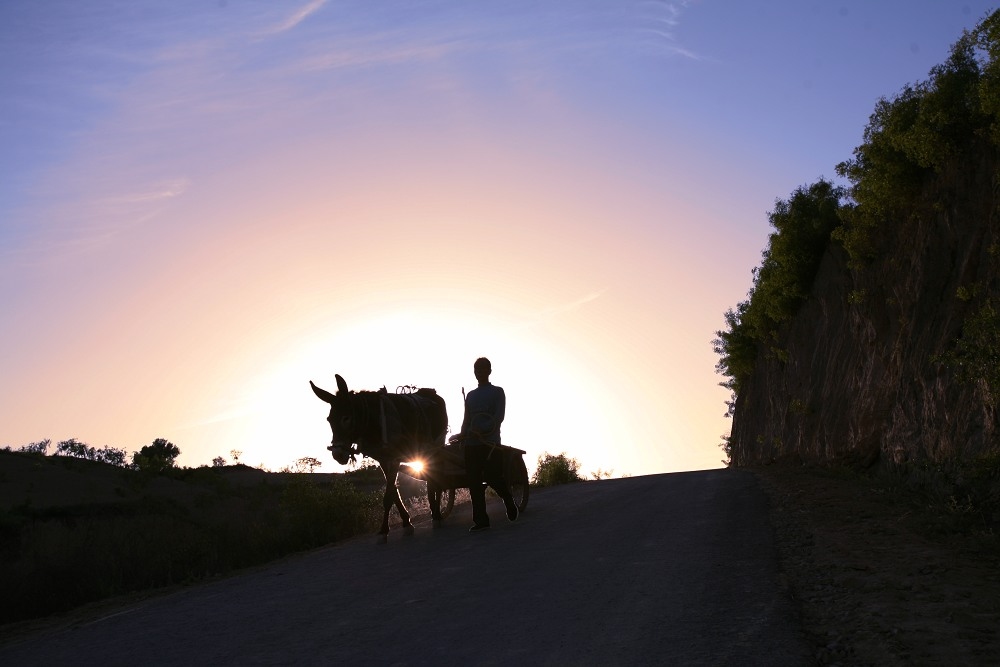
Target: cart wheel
[[518, 476], [447, 502]]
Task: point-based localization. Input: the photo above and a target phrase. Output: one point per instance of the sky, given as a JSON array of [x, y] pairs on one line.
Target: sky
[[206, 205]]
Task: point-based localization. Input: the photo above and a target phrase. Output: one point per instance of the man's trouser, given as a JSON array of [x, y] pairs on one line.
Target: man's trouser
[[481, 466]]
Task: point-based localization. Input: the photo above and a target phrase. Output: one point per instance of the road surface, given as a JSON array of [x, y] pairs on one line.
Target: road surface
[[673, 569]]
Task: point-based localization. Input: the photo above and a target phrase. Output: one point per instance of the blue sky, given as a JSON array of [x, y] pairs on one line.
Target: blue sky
[[205, 205]]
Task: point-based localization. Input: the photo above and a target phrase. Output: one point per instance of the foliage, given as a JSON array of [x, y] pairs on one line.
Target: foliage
[[931, 132], [156, 457], [40, 447], [218, 462], [963, 496], [803, 224], [53, 559], [321, 514], [727, 449], [556, 469], [306, 464], [81, 450], [975, 356]]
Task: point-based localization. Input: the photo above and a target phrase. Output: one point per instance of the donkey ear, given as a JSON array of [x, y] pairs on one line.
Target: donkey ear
[[322, 393], [341, 386]]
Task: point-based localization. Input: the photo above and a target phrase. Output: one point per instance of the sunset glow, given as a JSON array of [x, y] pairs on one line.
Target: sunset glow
[[204, 206]]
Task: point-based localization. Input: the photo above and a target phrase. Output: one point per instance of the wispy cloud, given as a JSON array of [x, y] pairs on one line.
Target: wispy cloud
[[296, 18], [666, 18], [83, 225], [157, 192], [672, 46], [235, 410], [553, 312], [375, 53]]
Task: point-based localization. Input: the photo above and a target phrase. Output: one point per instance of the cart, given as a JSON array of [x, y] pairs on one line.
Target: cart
[[444, 469]]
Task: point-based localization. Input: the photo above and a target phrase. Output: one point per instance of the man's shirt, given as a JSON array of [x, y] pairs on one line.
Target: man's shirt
[[484, 411]]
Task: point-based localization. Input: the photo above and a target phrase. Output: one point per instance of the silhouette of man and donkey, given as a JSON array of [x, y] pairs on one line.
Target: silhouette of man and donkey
[[405, 427]]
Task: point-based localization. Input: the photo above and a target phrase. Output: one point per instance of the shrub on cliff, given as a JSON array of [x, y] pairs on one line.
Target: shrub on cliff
[[931, 132], [802, 225]]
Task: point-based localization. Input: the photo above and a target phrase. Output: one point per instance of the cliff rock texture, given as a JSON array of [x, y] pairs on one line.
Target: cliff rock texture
[[857, 375]]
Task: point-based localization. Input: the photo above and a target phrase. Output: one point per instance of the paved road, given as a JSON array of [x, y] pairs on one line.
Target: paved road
[[675, 569]]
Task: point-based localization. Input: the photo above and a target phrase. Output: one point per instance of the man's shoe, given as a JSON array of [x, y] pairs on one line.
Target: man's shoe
[[477, 528], [512, 511]]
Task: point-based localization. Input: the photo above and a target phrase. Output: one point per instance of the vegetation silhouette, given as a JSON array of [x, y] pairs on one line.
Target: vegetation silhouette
[[554, 469], [74, 530], [157, 457]]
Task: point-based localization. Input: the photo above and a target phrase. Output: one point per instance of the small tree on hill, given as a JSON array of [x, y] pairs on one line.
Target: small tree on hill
[[40, 447], [157, 457], [307, 464], [111, 455], [81, 450], [74, 447], [556, 469]]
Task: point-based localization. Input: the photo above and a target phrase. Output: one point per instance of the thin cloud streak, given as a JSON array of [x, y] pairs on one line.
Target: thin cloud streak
[[236, 411], [381, 56], [552, 313], [673, 47], [296, 18], [84, 226], [160, 192], [669, 14]]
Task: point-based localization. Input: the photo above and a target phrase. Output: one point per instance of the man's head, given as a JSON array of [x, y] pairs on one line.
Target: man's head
[[482, 369]]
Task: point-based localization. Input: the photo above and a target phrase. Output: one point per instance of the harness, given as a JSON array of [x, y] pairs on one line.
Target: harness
[[362, 409]]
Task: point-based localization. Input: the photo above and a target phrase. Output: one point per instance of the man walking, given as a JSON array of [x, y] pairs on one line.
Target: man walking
[[484, 412]]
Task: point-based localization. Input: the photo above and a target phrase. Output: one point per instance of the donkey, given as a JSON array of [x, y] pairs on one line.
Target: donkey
[[389, 428]]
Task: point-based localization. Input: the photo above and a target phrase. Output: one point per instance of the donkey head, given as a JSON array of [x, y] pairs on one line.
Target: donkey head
[[342, 421]]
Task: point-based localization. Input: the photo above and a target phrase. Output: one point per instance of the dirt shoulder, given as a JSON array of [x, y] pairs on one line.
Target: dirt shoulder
[[882, 577]]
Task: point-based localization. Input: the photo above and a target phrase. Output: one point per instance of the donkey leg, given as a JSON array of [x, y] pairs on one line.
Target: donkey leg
[[386, 507], [392, 498], [389, 472], [403, 514], [434, 500]]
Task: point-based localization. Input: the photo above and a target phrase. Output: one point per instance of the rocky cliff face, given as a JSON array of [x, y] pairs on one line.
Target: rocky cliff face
[[857, 374]]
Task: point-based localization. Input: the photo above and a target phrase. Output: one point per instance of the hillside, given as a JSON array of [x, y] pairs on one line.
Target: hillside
[[73, 531]]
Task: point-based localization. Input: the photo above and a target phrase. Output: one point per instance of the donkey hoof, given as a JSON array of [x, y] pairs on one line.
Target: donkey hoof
[[408, 529]]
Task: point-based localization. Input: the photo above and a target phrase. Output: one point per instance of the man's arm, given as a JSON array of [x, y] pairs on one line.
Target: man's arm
[[501, 406]]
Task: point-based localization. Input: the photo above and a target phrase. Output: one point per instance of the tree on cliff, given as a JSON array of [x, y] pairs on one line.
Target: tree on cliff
[[922, 146], [802, 225]]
